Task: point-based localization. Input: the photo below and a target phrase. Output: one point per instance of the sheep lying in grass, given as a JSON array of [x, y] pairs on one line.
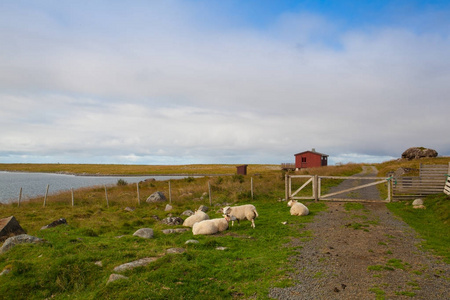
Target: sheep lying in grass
[[197, 217], [210, 226], [297, 208], [242, 212]]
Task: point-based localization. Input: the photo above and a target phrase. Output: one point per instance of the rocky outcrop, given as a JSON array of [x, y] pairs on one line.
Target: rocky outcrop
[[172, 221], [146, 233], [418, 152], [9, 227]]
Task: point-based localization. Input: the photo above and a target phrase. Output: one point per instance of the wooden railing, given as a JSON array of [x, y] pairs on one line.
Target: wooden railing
[[431, 180]]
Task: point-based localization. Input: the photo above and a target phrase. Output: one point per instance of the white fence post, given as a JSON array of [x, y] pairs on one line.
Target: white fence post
[[20, 197]]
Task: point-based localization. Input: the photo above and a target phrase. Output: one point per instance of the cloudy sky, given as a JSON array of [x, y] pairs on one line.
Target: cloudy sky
[[213, 81]]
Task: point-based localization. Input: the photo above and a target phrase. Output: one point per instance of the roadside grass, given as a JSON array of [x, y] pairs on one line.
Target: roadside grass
[[432, 223]]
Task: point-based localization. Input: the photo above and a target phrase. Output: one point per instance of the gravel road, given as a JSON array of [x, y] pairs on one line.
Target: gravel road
[[363, 254]]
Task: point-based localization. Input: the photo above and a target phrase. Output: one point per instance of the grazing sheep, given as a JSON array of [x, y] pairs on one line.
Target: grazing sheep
[[197, 217], [297, 208], [242, 212], [210, 226]]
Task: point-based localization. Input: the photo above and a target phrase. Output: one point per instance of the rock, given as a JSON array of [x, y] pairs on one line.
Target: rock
[[203, 208], [146, 233], [99, 263], [192, 242], [6, 270], [19, 239], [9, 227], [221, 248], [156, 197], [175, 250], [418, 152], [417, 202], [130, 209], [419, 207], [168, 207], [172, 221], [187, 213], [114, 277], [55, 223], [134, 264]]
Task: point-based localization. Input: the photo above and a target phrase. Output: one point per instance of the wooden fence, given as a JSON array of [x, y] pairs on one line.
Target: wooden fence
[[431, 180]]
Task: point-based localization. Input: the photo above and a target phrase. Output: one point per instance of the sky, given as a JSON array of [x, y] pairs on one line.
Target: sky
[[222, 82]]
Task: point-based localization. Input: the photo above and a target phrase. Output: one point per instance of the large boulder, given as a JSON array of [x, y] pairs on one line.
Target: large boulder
[[156, 197], [9, 227], [418, 152]]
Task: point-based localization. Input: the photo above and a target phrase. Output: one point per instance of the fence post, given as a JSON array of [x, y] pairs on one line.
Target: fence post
[[170, 193], [251, 186], [20, 197], [46, 193], [73, 202], [316, 188], [106, 195], [286, 186], [209, 190], [138, 194]]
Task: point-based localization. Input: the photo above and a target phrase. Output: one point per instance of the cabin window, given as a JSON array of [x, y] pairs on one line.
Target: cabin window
[[303, 159]]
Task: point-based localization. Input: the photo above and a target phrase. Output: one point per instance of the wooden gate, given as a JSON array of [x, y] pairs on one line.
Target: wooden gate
[[316, 182], [431, 180]]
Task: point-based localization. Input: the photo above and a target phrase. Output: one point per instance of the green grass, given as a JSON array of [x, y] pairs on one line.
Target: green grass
[[65, 265], [432, 223]]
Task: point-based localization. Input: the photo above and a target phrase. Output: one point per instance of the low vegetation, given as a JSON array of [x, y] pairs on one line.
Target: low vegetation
[[77, 259]]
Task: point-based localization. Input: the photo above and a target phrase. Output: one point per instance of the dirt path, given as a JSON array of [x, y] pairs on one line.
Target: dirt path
[[363, 254]]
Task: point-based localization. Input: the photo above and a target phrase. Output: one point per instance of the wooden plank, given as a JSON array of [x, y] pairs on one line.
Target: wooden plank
[[300, 188], [354, 188]]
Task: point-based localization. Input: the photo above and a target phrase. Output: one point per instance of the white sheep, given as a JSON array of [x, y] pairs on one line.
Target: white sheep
[[210, 226], [297, 208], [242, 212], [196, 217]]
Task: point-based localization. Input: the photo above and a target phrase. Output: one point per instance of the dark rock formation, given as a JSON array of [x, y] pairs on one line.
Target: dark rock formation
[[9, 227], [156, 197], [418, 152]]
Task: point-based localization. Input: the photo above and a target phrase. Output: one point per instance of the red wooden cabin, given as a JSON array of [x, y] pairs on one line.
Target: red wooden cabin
[[310, 159]]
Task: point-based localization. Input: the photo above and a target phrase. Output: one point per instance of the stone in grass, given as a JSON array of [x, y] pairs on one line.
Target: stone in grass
[[192, 242], [172, 221], [146, 233], [114, 277], [418, 201], [156, 197], [221, 248], [176, 230], [187, 213], [55, 223], [175, 250], [134, 264], [19, 239], [168, 207], [203, 208]]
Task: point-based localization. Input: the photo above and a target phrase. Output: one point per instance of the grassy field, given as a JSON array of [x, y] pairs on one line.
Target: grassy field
[[77, 259], [99, 169]]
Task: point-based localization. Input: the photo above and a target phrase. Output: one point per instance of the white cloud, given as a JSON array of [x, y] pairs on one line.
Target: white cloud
[[92, 86]]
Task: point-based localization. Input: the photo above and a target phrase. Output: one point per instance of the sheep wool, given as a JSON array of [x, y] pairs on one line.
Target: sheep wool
[[298, 209], [210, 226], [242, 212], [197, 217]]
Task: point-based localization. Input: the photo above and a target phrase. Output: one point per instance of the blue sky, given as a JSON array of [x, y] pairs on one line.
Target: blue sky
[[181, 82]]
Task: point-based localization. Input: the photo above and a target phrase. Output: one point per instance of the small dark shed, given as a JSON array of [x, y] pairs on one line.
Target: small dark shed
[[310, 159], [242, 170]]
